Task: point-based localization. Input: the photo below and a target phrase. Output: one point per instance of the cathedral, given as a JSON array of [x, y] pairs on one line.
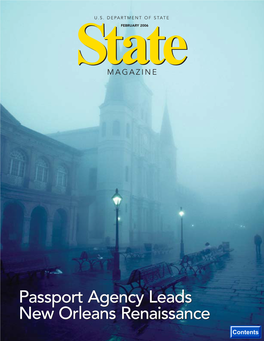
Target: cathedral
[[57, 189]]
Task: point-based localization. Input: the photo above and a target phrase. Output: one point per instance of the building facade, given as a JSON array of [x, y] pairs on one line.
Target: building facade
[[39, 200], [68, 178]]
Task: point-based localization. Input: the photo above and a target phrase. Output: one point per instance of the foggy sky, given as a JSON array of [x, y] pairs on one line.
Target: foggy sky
[[215, 98]]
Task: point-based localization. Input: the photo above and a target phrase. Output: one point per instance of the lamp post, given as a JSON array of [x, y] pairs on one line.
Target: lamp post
[[116, 271], [181, 213]]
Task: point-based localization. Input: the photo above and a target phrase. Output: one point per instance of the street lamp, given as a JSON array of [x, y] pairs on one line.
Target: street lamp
[[181, 213], [116, 271]]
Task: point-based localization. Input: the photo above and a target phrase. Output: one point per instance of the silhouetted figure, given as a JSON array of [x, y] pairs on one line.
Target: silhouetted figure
[[207, 248], [257, 241]]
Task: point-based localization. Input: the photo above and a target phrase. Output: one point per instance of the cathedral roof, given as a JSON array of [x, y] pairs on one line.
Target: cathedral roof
[[7, 117], [81, 139], [166, 134]]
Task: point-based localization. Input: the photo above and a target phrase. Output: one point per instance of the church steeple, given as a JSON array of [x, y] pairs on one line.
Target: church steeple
[[115, 89], [166, 135], [115, 85]]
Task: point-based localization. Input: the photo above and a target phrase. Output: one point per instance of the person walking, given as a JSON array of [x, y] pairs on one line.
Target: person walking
[[257, 241]]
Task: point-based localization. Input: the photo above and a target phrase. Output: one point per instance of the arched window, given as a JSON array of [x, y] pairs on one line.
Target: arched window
[[17, 163], [127, 174], [42, 170], [128, 130], [116, 128], [104, 129], [62, 176]]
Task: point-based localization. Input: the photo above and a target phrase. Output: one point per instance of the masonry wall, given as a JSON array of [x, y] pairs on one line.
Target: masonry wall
[[46, 210]]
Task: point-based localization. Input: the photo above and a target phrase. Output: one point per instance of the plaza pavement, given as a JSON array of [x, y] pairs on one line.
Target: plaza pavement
[[233, 292]]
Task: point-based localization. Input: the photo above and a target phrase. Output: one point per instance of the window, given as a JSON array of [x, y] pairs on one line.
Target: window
[[17, 163], [42, 170], [62, 177], [116, 128], [127, 174], [128, 130], [104, 129]]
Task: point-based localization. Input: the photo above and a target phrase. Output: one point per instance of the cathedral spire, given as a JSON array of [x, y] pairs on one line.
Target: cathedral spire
[[115, 86], [166, 135], [115, 89]]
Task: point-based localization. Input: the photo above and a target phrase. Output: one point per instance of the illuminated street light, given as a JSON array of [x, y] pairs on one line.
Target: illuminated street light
[[117, 198], [181, 213], [116, 271]]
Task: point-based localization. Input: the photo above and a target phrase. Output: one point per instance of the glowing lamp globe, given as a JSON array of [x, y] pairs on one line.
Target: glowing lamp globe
[[181, 213], [117, 198]]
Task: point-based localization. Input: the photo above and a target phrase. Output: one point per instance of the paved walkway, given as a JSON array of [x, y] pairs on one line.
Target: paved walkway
[[232, 292]]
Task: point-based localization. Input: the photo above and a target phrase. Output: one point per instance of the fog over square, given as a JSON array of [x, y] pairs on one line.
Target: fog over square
[[215, 99]]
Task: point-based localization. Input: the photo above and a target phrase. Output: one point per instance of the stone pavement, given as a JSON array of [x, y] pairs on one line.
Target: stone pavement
[[233, 292]]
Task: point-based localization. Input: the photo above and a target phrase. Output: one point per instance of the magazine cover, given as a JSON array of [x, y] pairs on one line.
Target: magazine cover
[[132, 170]]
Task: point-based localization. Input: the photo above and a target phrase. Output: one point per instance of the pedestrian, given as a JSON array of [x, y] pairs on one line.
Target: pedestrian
[[220, 247], [207, 248], [257, 241]]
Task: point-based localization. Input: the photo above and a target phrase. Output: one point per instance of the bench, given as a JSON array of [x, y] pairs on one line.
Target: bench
[[133, 254], [133, 282], [196, 262], [157, 277], [202, 260], [87, 260], [161, 249], [13, 268], [183, 264], [218, 253]]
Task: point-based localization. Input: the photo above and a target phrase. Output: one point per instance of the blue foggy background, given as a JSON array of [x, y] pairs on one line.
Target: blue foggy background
[[215, 98]]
